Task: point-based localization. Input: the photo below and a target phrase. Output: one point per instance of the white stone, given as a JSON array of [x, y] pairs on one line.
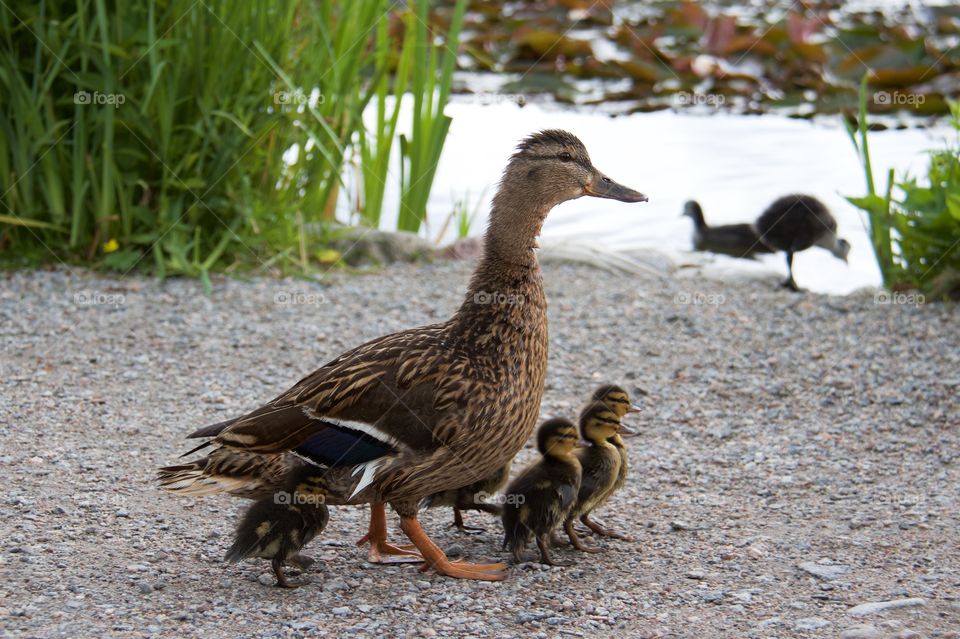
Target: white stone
[[879, 606]]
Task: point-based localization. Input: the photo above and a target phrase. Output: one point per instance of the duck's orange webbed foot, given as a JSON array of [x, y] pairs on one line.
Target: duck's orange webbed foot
[[382, 552], [436, 559]]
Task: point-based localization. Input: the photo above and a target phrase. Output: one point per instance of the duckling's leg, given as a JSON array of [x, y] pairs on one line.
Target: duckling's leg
[[282, 582], [543, 543], [436, 559], [601, 530], [790, 283], [575, 540], [377, 536], [462, 527]]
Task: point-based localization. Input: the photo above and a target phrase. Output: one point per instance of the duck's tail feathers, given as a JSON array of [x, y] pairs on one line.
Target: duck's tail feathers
[[227, 471]]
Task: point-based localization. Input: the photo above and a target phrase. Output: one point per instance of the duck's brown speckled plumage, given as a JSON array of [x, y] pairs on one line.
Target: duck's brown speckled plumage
[[441, 405]]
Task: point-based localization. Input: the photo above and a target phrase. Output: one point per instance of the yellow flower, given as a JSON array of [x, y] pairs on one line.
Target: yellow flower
[[111, 246]]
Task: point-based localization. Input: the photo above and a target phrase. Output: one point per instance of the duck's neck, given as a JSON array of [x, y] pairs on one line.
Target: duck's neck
[[509, 264]]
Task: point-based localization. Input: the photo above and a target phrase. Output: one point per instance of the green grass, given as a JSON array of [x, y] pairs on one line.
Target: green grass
[[914, 225], [152, 135]]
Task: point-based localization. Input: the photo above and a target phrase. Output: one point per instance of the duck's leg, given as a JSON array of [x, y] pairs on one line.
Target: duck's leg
[[601, 530], [377, 537], [575, 540], [543, 543], [436, 559], [790, 283]]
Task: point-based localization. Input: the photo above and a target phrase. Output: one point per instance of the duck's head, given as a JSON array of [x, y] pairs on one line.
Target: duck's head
[[557, 437], [553, 166], [598, 423]]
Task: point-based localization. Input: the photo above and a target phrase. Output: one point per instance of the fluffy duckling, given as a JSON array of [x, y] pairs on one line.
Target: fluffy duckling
[[794, 223], [541, 497], [618, 400], [472, 497], [600, 463], [278, 526]]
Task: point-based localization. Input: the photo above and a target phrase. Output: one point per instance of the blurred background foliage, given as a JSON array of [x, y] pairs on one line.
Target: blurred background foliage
[[187, 137], [178, 137]]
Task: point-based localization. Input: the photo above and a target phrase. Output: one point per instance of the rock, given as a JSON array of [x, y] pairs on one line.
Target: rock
[[335, 585], [678, 524], [878, 606], [712, 596], [456, 550], [144, 587], [824, 571], [341, 611], [861, 632], [808, 624], [266, 579], [696, 574], [527, 617]]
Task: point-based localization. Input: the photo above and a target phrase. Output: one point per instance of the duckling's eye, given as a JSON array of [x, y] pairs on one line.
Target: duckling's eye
[[565, 156]]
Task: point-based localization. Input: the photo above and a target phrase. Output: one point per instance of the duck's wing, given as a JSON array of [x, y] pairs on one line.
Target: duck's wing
[[393, 394]]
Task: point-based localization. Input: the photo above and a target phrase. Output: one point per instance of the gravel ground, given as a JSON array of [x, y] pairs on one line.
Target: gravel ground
[[798, 458]]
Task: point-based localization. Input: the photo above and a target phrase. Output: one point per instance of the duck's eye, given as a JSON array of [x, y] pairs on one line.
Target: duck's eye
[[565, 156]]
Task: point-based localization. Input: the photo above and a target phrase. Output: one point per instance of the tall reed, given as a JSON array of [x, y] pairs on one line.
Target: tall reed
[[156, 131]]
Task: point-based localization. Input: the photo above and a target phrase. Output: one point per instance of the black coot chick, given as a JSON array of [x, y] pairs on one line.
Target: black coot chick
[[796, 222]]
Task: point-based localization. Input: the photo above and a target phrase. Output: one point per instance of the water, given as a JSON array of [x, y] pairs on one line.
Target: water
[[734, 165]]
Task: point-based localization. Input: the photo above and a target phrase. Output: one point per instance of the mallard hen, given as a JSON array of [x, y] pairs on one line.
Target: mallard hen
[[542, 496], [437, 407], [794, 223], [735, 240]]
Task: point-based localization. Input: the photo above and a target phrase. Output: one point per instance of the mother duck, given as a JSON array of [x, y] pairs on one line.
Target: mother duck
[[437, 407]]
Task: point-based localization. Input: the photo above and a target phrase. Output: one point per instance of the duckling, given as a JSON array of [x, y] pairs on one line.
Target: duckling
[[796, 222], [736, 240], [618, 400], [277, 527], [540, 499], [472, 497], [600, 463]]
